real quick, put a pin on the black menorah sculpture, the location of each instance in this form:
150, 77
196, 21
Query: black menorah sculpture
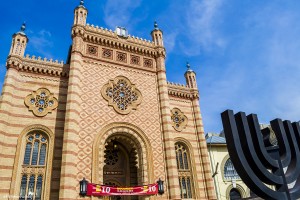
270, 171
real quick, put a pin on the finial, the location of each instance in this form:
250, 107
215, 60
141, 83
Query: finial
155, 25
23, 27
188, 65
81, 2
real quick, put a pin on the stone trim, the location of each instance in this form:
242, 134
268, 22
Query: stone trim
16, 177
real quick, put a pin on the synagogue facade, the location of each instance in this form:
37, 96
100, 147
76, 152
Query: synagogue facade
107, 115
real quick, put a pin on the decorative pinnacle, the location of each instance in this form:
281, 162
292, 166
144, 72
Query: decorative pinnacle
23, 27
155, 25
188, 65
81, 2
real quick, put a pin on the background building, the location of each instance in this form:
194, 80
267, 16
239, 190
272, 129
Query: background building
228, 184
108, 115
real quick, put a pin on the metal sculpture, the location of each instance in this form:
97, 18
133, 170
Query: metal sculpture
270, 171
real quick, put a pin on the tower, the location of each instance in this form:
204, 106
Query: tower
19, 42
190, 77
157, 35
80, 14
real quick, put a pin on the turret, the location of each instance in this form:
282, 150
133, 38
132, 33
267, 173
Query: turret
19, 42
190, 77
80, 14
157, 36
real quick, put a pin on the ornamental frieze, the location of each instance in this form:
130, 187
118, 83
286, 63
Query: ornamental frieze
121, 94
179, 120
41, 102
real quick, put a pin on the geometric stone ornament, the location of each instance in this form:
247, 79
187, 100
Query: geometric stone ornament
179, 120
270, 169
41, 102
122, 95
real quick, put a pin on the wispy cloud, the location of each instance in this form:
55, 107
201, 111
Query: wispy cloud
119, 12
41, 42
201, 29
264, 78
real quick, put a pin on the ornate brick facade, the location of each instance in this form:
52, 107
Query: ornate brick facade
112, 94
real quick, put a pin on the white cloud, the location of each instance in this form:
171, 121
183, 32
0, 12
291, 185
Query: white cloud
202, 31
41, 42
119, 12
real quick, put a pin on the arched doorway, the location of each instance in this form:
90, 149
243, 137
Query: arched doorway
120, 169
235, 194
134, 143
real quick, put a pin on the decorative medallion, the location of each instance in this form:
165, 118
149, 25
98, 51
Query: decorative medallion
121, 94
179, 120
148, 63
107, 53
92, 50
135, 60
41, 102
121, 57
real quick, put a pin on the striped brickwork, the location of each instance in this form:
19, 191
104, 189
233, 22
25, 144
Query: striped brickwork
84, 122
170, 156
15, 117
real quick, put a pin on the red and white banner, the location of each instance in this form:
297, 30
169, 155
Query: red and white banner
102, 190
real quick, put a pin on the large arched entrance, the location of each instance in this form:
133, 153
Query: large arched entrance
122, 156
120, 169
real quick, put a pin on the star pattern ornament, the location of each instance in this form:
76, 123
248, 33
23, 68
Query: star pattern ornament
122, 95
179, 120
41, 102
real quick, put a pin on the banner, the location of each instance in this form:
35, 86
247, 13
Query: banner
102, 190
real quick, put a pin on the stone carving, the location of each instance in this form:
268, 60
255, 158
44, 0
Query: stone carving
121, 57
41, 102
179, 119
107, 53
92, 50
121, 94
135, 60
148, 63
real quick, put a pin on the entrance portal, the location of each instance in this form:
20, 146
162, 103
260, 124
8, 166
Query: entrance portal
120, 167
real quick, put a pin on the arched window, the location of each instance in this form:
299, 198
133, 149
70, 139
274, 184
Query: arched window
184, 171
235, 194
229, 171
34, 166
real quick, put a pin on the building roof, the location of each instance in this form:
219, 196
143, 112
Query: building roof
212, 138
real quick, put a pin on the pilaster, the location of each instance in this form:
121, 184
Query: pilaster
69, 183
169, 148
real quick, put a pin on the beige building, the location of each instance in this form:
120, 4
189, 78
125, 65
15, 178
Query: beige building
227, 182
108, 115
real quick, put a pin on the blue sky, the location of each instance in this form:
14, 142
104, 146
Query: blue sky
246, 53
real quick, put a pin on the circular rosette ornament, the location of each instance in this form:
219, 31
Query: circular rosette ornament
121, 94
179, 119
41, 102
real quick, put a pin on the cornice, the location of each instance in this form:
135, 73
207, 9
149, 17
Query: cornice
182, 91
105, 37
38, 65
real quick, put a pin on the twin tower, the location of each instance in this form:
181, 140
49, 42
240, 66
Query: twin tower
108, 115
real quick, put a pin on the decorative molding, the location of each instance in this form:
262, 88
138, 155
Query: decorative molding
121, 57
107, 53
41, 102
179, 120
135, 60
148, 63
122, 95
108, 38
92, 50
182, 91
38, 65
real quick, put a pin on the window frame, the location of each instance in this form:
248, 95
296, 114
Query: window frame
19, 160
